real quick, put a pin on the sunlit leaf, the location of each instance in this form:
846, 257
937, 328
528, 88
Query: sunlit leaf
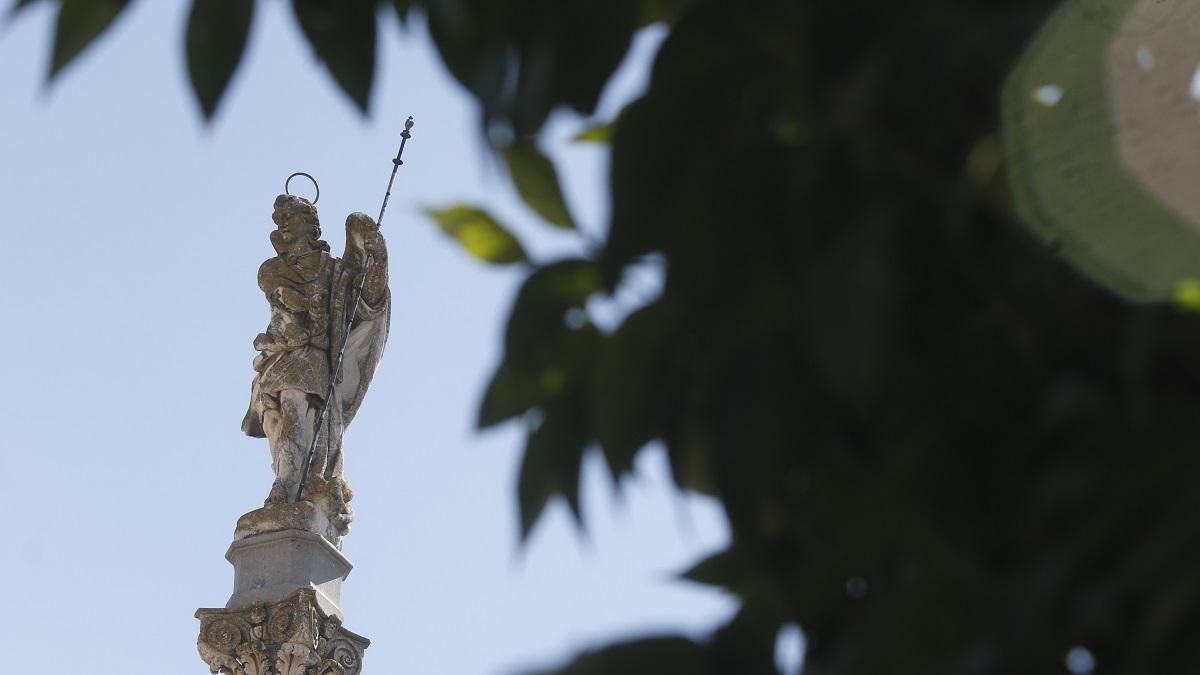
479, 233
1187, 295
597, 133
216, 38
343, 35
538, 184
80, 22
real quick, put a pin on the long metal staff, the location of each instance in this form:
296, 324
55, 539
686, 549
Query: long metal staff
341, 354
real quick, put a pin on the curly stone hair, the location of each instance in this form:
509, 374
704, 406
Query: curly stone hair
305, 211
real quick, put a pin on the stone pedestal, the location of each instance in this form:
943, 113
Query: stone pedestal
284, 616
320, 514
271, 566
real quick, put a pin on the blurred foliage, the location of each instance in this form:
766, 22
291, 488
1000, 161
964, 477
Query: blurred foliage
479, 233
939, 448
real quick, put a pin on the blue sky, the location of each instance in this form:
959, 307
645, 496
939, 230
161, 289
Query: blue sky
133, 235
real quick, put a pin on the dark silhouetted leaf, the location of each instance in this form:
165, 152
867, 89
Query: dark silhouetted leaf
402, 8
538, 184
530, 104
510, 393
748, 641
553, 456
343, 35
522, 61
654, 11
640, 178
79, 23
478, 58
479, 233
726, 569
629, 389
592, 39
216, 38
544, 356
542, 302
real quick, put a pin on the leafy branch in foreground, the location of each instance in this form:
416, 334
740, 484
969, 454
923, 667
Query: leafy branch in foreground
940, 450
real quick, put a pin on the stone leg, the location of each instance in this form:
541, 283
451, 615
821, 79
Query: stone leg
289, 430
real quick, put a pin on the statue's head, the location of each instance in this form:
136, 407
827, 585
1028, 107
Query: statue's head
297, 226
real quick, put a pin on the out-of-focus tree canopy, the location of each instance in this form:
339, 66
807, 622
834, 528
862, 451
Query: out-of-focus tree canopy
940, 449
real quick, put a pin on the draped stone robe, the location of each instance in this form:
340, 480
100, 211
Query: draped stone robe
311, 298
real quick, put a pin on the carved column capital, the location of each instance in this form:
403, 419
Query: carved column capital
291, 637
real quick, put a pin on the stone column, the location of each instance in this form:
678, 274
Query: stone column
328, 325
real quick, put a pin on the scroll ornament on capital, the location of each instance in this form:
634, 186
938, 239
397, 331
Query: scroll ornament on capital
293, 637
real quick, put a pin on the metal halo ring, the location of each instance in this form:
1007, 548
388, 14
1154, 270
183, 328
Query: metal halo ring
314, 182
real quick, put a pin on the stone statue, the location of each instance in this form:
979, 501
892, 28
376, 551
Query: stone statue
312, 296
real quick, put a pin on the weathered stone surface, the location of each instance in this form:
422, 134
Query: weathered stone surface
306, 514
328, 326
303, 397
272, 566
294, 636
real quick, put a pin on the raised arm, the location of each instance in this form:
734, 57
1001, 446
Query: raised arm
363, 239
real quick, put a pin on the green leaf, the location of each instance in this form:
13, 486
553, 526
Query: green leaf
593, 38
551, 362
630, 387
474, 48
1187, 295
343, 35
80, 22
726, 569
553, 456
653, 11
479, 233
402, 8
544, 355
510, 393
644, 187
542, 303
749, 639
597, 133
216, 39
538, 184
